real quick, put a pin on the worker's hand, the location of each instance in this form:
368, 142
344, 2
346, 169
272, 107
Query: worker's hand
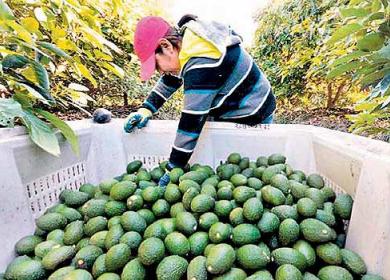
164, 180
137, 119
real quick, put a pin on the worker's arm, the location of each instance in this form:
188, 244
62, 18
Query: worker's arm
198, 97
161, 92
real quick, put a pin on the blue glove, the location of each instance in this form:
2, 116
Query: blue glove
164, 180
137, 119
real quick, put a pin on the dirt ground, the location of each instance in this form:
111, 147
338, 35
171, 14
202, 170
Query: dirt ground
331, 118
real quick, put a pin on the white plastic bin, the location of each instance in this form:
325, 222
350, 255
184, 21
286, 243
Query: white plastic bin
31, 179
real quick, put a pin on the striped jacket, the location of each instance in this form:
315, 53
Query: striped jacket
231, 88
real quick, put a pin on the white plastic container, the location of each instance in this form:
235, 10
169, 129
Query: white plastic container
31, 179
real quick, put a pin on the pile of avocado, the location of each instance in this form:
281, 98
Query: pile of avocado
254, 220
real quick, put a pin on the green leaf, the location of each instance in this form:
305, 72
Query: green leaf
53, 48
365, 106
78, 87
371, 42
384, 28
376, 5
3, 50
383, 53
343, 32
40, 14
14, 61
41, 134
21, 31
5, 11
377, 109
376, 16
80, 98
342, 69
385, 103
44, 60
355, 2
34, 93
114, 69
18, 61
93, 37
9, 110
33, 47
74, 3
23, 99
29, 74
66, 44
112, 46
373, 77
83, 71
43, 79
381, 88
368, 69
65, 129
354, 12
117, 7
347, 58
101, 55
30, 24
99, 39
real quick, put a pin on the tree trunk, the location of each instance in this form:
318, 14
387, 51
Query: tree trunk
329, 93
125, 99
338, 93
331, 101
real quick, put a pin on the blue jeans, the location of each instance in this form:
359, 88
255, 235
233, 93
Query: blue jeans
268, 120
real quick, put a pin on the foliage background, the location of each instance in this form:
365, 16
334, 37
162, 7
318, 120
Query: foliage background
316, 59
328, 62
62, 56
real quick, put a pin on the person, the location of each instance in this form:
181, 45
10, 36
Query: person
220, 79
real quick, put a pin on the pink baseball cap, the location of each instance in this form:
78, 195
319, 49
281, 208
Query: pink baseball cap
148, 32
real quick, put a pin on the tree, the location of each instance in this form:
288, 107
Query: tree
56, 53
364, 27
290, 47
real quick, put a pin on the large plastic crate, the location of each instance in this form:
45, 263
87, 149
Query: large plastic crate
31, 179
